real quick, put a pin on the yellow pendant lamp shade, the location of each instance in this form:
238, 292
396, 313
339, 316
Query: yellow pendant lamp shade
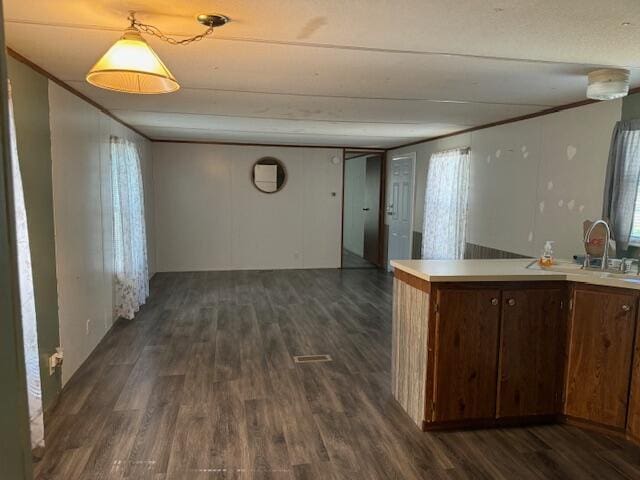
131, 66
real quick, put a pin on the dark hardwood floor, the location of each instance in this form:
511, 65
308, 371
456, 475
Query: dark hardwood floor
352, 260
202, 385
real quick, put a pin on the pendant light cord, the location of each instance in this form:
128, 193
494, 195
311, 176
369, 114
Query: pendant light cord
155, 31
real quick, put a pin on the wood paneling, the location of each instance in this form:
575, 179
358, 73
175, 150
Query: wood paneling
409, 279
532, 345
633, 413
602, 328
409, 348
466, 353
473, 251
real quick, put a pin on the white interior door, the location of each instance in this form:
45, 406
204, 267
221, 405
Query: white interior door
400, 207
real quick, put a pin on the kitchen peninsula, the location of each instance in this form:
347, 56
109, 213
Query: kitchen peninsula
493, 342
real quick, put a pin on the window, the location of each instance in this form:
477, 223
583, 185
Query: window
445, 205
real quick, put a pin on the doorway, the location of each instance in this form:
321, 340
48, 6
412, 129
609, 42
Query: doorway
400, 207
362, 215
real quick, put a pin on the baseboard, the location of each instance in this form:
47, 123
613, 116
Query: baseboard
470, 424
466, 424
527, 420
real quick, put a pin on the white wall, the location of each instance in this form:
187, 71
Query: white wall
355, 186
83, 224
209, 216
531, 181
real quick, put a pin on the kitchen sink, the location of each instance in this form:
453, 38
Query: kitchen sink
576, 269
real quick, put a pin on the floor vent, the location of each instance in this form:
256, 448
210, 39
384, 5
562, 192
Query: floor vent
312, 358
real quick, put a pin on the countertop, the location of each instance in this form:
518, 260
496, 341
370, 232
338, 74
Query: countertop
510, 271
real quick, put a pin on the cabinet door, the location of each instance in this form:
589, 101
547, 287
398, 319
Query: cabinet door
466, 354
602, 327
633, 414
532, 340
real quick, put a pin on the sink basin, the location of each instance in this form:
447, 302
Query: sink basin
574, 268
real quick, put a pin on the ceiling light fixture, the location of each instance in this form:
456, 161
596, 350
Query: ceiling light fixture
131, 65
608, 84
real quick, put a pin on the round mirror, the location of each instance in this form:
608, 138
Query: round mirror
269, 175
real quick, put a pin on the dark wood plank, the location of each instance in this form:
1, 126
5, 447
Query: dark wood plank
337, 435
303, 438
136, 391
268, 454
228, 450
109, 457
152, 444
228, 338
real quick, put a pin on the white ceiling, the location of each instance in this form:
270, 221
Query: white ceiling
360, 73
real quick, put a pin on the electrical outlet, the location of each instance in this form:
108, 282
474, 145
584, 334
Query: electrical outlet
55, 360
88, 325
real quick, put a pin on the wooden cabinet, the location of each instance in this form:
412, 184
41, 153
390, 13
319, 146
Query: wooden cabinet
633, 411
466, 354
601, 339
532, 344
480, 354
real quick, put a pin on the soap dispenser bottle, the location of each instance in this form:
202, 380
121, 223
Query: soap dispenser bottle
546, 259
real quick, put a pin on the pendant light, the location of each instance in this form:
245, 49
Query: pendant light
131, 65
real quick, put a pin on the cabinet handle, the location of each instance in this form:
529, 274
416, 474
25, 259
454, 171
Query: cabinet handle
511, 302
494, 301
626, 308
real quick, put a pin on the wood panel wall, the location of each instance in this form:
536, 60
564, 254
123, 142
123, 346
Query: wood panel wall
409, 347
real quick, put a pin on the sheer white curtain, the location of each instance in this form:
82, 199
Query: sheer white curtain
27, 301
445, 205
129, 233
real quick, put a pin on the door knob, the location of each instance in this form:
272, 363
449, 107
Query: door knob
494, 301
626, 308
511, 302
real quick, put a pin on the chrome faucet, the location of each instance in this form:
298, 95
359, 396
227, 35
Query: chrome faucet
605, 254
